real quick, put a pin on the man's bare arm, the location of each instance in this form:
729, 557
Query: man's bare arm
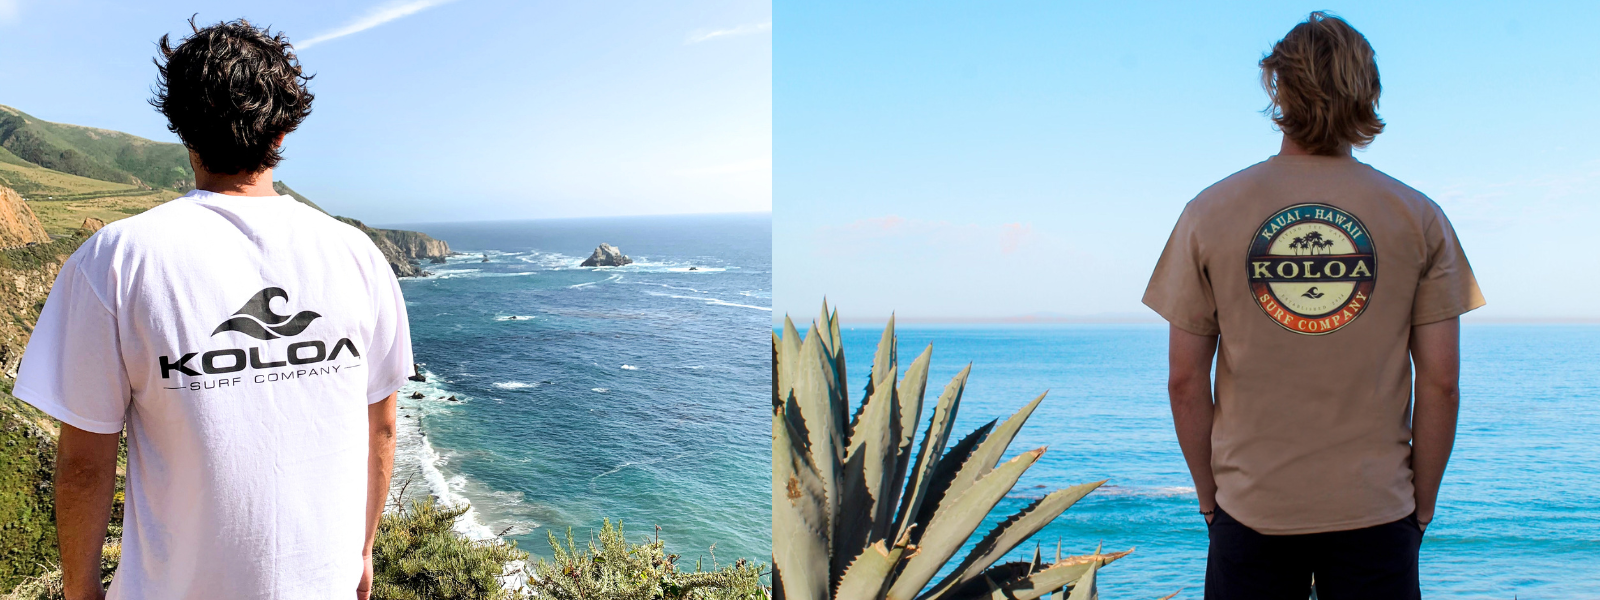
380, 465
1189, 388
1436, 353
86, 476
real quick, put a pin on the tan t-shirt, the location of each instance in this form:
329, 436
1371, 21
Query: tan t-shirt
1313, 270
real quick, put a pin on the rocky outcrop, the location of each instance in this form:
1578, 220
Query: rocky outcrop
18, 225
26, 275
416, 245
92, 224
405, 249
399, 260
607, 255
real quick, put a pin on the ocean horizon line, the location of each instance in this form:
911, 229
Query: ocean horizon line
400, 225
880, 320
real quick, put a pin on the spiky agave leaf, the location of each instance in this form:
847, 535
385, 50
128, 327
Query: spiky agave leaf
837, 405
869, 573
908, 392
786, 353
975, 463
1016, 583
777, 385
885, 359
1085, 589
828, 328
816, 392
1010, 533
943, 474
988, 453
955, 521
865, 479
922, 472
800, 515
838, 361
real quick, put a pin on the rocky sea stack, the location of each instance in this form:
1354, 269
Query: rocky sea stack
607, 255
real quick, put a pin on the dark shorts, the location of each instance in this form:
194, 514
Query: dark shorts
1373, 563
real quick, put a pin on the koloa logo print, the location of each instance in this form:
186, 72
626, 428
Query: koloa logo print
214, 368
1312, 268
257, 320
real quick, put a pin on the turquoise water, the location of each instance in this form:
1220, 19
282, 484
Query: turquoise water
636, 393
1519, 514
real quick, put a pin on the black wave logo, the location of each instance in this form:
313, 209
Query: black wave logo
257, 320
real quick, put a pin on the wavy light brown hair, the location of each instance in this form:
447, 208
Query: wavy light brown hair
1322, 80
229, 91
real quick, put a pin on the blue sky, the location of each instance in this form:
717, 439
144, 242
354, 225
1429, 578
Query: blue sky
431, 110
995, 160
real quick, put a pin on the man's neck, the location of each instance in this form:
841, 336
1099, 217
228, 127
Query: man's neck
258, 183
1289, 148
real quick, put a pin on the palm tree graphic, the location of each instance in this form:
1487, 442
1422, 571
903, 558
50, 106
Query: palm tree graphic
1313, 241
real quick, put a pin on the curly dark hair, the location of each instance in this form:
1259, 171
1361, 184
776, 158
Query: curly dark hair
229, 91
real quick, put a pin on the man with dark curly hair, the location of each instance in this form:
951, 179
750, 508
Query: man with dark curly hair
1323, 283
250, 344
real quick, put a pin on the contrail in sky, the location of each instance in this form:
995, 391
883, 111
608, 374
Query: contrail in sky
377, 16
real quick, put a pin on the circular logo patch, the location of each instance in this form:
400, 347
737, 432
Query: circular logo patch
1312, 268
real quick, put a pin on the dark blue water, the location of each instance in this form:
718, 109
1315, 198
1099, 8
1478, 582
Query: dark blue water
1519, 514
637, 393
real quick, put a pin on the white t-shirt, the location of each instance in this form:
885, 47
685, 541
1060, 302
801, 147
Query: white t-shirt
241, 339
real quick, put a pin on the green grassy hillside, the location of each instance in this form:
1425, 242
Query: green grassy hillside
283, 188
94, 153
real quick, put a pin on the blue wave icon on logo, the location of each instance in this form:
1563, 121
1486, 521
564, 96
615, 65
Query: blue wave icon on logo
257, 320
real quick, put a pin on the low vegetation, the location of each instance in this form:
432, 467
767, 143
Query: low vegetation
27, 502
37, 255
417, 555
613, 569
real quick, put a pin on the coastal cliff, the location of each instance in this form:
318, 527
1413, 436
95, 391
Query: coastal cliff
417, 245
406, 255
405, 250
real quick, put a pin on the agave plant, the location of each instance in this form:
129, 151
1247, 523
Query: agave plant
860, 512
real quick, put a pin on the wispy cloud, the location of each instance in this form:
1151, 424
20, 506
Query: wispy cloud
378, 15
746, 29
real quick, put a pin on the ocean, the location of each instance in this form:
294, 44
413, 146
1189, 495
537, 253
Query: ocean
558, 396
1519, 513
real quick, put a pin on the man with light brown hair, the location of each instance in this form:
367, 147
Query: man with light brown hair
1316, 282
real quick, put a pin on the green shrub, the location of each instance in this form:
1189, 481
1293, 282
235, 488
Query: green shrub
35, 255
27, 496
418, 556
613, 569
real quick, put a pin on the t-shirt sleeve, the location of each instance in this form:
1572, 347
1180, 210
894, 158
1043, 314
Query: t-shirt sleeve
390, 351
73, 369
1446, 288
1180, 287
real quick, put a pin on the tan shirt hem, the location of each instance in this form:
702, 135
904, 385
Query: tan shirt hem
1326, 527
